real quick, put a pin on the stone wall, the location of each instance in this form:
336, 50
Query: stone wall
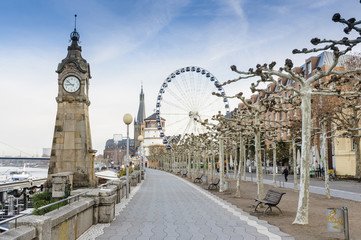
69, 222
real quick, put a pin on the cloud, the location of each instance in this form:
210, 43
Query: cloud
236, 5
129, 42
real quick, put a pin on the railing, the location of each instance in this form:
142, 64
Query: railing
41, 208
21, 184
60, 201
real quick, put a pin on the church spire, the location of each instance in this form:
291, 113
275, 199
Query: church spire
141, 109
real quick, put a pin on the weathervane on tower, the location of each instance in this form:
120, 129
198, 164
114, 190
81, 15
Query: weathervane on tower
74, 36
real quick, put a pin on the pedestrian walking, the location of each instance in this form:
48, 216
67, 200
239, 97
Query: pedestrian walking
285, 172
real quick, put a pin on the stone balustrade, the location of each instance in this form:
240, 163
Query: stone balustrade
96, 205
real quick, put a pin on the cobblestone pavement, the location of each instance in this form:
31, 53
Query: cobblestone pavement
168, 207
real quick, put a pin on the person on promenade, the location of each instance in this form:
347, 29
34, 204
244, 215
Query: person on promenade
285, 172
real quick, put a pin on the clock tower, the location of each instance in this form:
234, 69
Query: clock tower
72, 146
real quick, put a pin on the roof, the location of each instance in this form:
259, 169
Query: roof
110, 144
326, 58
153, 117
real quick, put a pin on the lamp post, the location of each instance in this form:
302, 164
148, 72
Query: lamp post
127, 119
140, 139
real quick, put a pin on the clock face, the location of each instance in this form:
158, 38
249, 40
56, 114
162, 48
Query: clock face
71, 84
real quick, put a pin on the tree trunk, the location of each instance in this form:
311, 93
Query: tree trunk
357, 155
227, 165
198, 162
235, 165
204, 160
303, 199
221, 165
212, 166
257, 140
189, 163
244, 162
294, 160
174, 162
274, 163
324, 158
241, 153
194, 164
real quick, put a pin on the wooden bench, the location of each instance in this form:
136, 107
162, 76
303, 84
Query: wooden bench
214, 184
271, 200
198, 179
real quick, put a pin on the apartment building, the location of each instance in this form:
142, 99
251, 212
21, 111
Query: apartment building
283, 122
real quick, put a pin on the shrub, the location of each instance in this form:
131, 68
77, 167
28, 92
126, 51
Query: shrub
124, 173
42, 199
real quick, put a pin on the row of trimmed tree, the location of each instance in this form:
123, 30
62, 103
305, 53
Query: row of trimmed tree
303, 105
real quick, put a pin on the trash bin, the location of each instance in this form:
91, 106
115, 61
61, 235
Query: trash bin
205, 179
225, 185
335, 220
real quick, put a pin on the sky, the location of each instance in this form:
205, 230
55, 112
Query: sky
133, 42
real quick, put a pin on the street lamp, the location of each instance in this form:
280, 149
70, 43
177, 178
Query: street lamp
140, 139
127, 119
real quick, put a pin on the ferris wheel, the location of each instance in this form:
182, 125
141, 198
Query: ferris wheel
184, 99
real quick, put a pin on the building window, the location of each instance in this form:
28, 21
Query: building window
288, 132
309, 67
275, 116
280, 116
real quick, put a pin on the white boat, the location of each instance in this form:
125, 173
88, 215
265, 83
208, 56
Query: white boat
20, 175
107, 174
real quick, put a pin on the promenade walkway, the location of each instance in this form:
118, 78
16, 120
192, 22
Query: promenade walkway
168, 207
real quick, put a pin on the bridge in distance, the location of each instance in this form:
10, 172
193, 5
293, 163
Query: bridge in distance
19, 161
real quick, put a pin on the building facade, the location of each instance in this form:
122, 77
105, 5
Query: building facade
152, 133
341, 150
115, 151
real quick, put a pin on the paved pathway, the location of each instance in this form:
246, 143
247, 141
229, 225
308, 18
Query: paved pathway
168, 207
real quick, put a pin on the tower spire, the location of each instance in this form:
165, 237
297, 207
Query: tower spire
75, 22
141, 109
74, 36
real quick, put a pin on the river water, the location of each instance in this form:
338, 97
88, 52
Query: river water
34, 172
